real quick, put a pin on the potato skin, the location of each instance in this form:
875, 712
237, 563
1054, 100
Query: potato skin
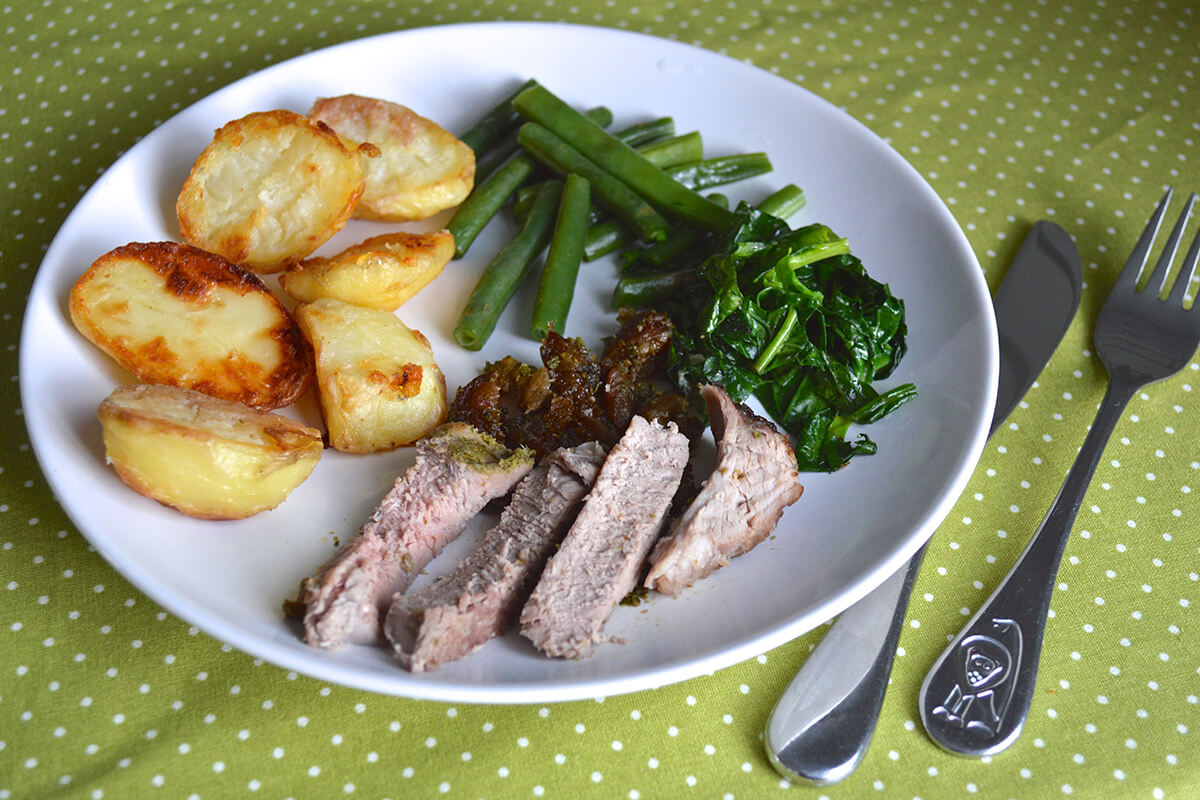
270, 189
377, 383
381, 272
422, 168
203, 456
173, 314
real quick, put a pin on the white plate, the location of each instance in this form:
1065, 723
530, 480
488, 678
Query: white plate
849, 531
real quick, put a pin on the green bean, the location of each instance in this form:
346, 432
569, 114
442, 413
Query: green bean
503, 275
562, 262
663, 156
542, 144
485, 200
701, 174
671, 248
492, 127
710, 172
643, 290
681, 149
675, 150
605, 237
681, 238
523, 199
494, 137
783, 203
489, 163
620, 160
490, 194
608, 235
645, 132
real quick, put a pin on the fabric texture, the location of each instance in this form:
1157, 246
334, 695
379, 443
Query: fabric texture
1013, 112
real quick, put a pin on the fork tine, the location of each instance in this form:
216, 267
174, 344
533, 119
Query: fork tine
1128, 279
1187, 269
1158, 278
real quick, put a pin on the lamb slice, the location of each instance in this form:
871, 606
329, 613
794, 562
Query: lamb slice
738, 505
457, 471
602, 554
459, 612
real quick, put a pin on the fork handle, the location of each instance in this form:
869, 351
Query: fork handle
977, 695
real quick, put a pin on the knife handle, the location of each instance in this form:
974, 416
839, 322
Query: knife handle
822, 725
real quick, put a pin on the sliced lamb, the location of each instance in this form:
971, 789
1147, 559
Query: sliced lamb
459, 612
738, 506
602, 555
458, 470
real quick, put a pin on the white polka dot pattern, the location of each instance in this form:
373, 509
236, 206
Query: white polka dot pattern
1013, 111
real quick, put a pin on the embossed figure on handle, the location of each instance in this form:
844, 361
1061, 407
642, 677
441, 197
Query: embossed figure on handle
975, 699
986, 668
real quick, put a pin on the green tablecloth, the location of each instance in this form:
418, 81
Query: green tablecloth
1013, 111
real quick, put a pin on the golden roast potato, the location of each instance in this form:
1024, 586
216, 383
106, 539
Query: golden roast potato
377, 383
204, 456
422, 168
381, 272
270, 189
173, 314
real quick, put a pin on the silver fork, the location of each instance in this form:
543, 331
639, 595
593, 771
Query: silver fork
975, 699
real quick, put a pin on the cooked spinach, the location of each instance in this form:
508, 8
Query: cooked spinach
792, 318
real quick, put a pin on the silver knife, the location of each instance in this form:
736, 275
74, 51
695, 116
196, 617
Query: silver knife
822, 725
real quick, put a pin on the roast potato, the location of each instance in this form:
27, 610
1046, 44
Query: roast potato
377, 383
381, 272
207, 457
422, 168
270, 189
173, 314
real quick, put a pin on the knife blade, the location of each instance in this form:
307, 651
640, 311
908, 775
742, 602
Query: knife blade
1034, 305
822, 725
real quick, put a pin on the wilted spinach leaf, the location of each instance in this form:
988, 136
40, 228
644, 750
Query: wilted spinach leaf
792, 318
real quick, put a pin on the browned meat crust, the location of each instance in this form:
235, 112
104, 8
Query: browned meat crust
631, 363
574, 398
